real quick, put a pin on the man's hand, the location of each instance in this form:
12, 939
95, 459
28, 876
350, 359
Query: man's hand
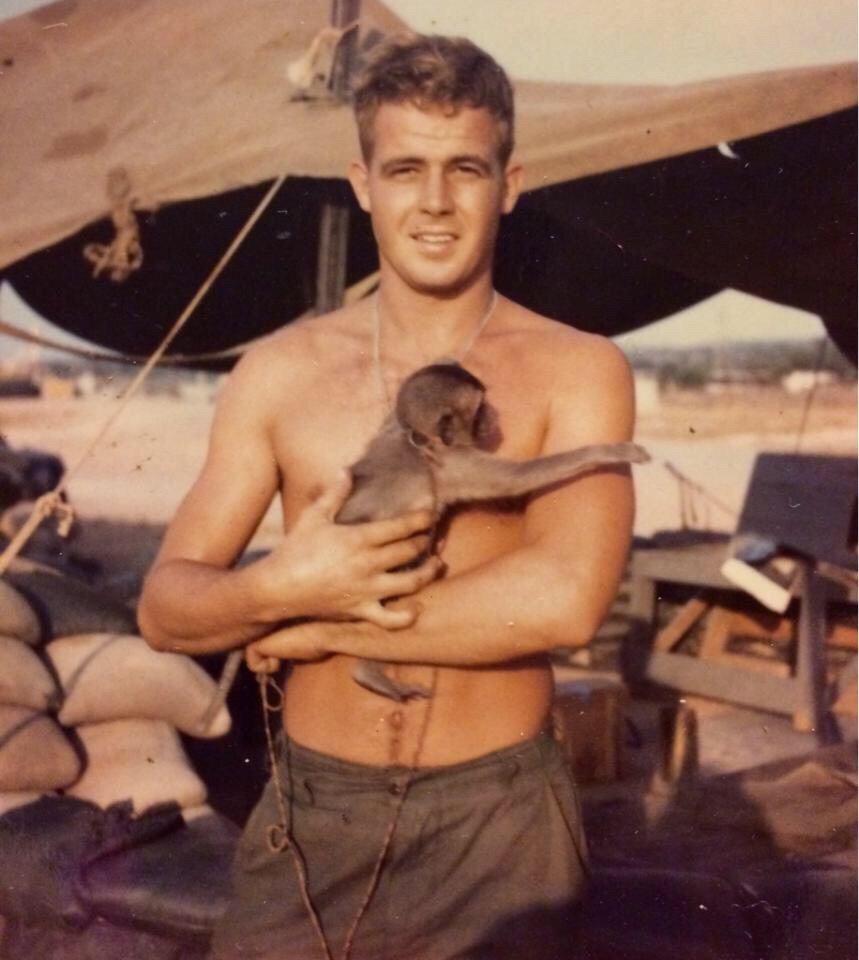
333, 571
300, 642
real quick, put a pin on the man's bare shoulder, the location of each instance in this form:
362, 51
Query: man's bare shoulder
306, 342
291, 365
300, 352
562, 350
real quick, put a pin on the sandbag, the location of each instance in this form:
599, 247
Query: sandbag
68, 606
24, 679
17, 617
45, 846
42, 846
112, 677
178, 884
190, 814
35, 753
137, 760
97, 941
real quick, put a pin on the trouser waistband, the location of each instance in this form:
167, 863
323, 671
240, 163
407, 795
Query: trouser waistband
497, 766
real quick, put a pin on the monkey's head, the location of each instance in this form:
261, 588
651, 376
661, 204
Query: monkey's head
440, 402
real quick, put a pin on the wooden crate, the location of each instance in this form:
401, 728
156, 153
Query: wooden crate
588, 721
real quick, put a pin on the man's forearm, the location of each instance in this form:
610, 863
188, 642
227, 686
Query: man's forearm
520, 604
196, 608
517, 606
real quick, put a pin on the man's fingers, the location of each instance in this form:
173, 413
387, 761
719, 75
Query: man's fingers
388, 619
401, 552
409, 581
260, 662
380, 532
335, 496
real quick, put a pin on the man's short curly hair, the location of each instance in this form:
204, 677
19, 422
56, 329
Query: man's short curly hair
433, 71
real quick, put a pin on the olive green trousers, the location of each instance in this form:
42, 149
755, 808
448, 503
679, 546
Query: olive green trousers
487, 860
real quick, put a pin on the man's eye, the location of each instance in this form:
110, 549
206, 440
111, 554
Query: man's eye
402, 173
469, 170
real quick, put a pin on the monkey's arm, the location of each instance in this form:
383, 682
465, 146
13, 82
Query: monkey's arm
466, 473
555, 588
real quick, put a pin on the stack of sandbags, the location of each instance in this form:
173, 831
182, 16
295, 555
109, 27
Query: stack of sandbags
86, 706
36, 756
126, 703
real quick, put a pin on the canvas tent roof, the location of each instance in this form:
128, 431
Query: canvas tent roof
192, 99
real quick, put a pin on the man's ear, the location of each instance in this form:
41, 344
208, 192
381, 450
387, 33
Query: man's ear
359, 178
514, 178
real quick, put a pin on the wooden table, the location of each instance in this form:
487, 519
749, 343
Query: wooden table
802, 693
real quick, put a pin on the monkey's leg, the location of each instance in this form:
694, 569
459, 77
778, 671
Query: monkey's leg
371, 675
468, 474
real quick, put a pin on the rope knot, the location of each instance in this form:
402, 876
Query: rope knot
54, 502
124, 254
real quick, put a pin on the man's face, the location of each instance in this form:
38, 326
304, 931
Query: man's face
435, 190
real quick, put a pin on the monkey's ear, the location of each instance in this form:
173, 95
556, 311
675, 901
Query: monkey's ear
418, 439
445, 428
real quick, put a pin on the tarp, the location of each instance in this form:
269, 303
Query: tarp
192, 99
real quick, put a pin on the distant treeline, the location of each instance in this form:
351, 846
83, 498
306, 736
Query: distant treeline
763, 362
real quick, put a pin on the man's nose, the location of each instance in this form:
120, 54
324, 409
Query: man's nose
435, 193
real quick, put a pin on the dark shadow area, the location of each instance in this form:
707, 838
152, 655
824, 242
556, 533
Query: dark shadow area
234, 767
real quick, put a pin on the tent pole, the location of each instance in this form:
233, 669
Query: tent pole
334, 217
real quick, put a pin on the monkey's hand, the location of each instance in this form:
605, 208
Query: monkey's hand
331, 571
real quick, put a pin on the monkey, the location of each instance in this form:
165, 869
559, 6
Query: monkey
425, 457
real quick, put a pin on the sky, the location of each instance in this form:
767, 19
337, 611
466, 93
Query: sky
645, 41
631, 42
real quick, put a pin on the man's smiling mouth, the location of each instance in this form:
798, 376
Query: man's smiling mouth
434, 238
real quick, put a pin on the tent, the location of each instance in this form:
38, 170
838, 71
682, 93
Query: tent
632, 211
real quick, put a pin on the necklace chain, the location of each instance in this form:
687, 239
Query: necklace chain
457, 358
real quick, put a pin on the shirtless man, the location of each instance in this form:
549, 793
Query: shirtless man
487, 854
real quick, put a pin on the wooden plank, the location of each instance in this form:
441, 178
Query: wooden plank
810, 666
717, 633
723, 682
761, 623
698, 565
685, 618
778, 668
842, 636
678, 725
846, 702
